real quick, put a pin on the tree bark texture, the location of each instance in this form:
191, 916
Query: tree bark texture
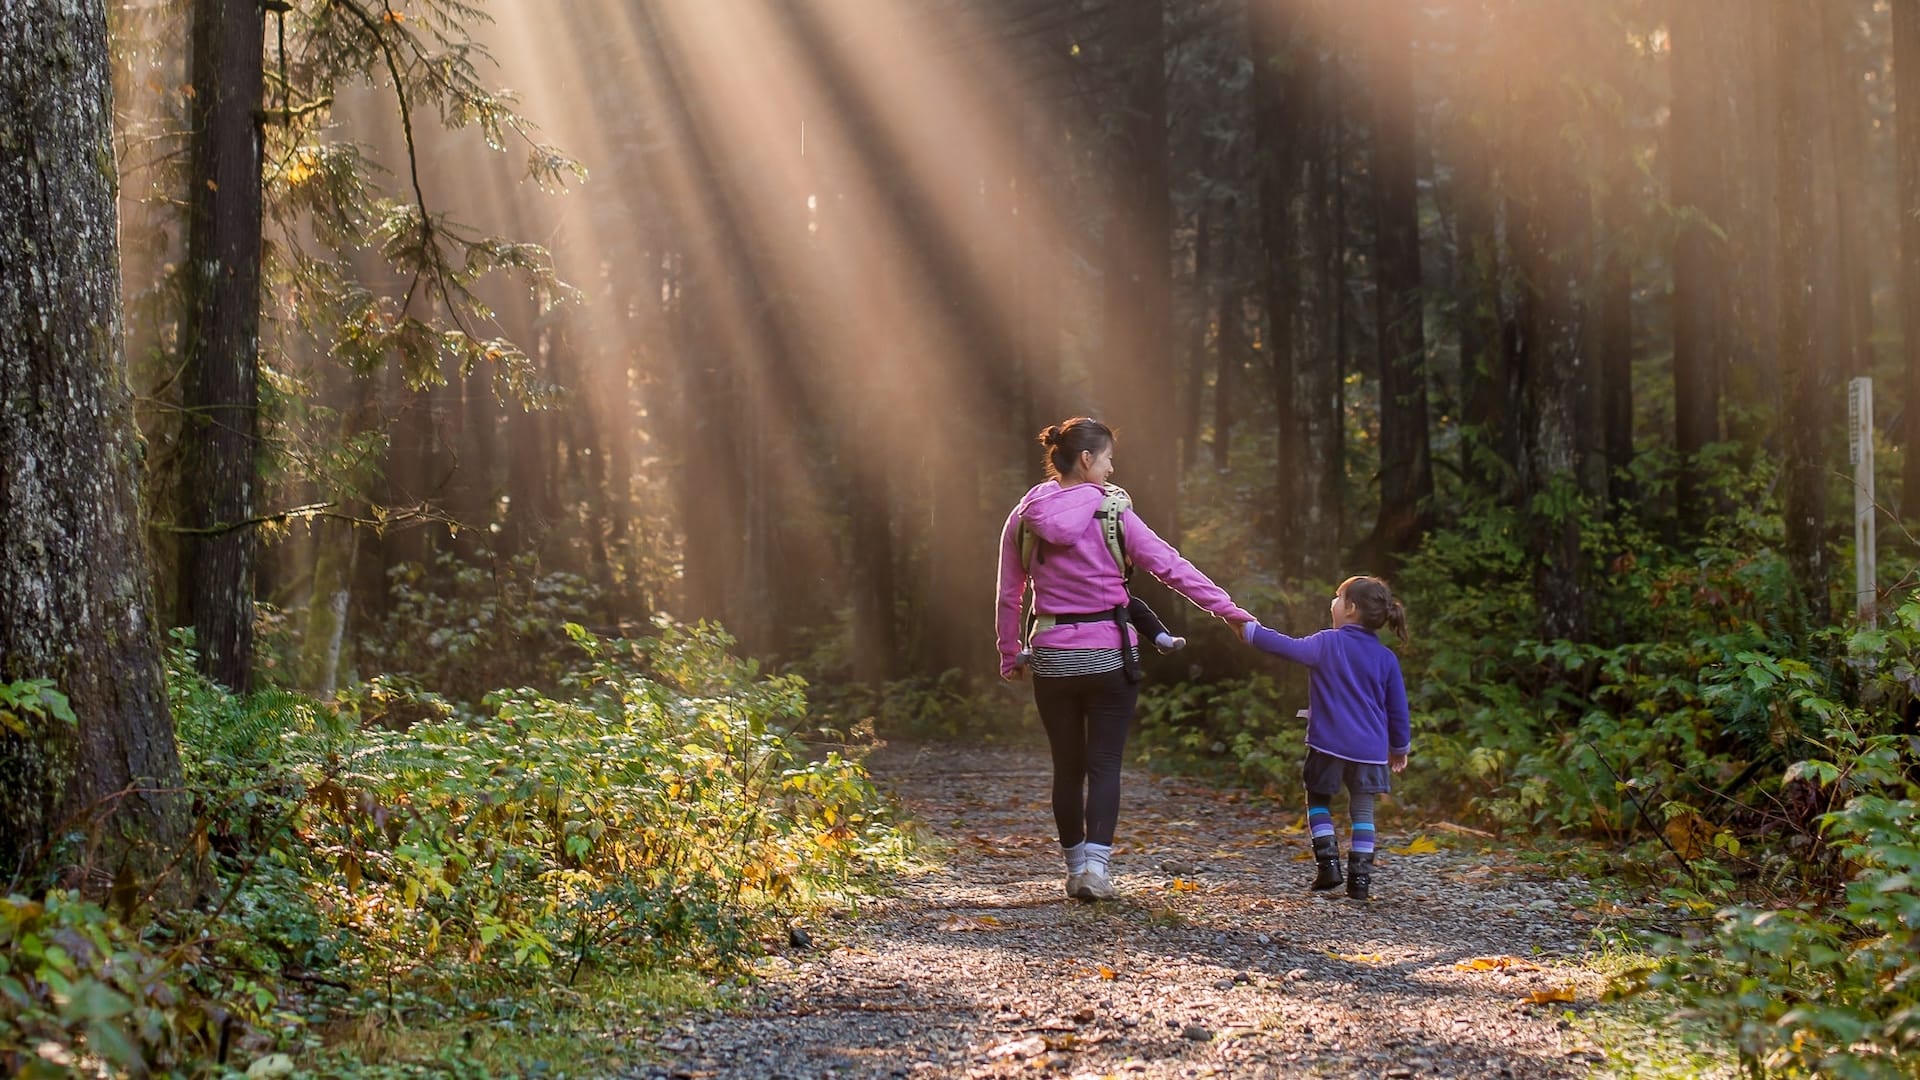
222, 332
1406, 467
72, 569
1800, 422
1906, 70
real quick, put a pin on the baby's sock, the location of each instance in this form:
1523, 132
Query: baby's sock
1361, 805
1168, 643
1099, 856
1076, 857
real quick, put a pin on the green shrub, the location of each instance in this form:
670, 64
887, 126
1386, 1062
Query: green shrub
402, 854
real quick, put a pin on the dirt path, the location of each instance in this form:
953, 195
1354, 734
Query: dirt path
1215, 962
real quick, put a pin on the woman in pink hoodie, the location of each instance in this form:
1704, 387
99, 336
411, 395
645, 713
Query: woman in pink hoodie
1085, 679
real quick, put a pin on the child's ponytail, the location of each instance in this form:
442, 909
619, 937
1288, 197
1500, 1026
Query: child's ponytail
1397, 619
1371, 597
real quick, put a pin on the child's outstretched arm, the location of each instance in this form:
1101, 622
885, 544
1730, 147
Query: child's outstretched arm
1304, 650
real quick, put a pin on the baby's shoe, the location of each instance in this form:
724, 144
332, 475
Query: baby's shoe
1167, 643
1022, 658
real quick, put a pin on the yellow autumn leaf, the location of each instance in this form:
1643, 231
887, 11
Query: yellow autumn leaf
1419, 845
1108, 973
1690, 834
1181, 885
1543, 997
1495, 963
961, 924
1360, 958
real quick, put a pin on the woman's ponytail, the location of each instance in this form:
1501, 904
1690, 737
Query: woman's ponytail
1064, 442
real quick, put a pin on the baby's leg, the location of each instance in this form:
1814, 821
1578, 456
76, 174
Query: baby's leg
1150, 626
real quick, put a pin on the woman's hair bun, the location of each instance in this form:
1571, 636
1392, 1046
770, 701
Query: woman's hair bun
1051, 436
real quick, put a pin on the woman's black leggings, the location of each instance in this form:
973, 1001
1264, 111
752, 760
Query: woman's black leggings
1086, 717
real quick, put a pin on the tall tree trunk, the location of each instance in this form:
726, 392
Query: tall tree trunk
1802, 415
1702, 312
1551, 222
78, 607
1406, 467
1844, 151
1613, 320
1906, 69
1282, 114
1137, 317
222, 332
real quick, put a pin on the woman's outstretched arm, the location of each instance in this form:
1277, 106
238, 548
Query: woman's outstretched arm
1157, 557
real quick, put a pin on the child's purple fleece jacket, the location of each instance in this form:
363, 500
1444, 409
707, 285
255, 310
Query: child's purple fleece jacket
1356, 699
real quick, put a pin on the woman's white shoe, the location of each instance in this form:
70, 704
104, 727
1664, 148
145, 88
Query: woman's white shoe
1095, 885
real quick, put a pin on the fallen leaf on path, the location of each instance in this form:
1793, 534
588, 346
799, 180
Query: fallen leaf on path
1032, 1046
1419, 845
1108, 973
1543, 997
1181, 885
960, 924
1448, 826
1496, 963
1360, 958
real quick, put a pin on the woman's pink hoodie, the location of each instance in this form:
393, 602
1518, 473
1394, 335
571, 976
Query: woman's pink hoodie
1073, 572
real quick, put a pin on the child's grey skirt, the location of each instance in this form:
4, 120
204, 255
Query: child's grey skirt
1326, 774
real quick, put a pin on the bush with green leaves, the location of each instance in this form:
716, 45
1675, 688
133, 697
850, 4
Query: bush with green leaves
1829, 986
652, 812
460, 629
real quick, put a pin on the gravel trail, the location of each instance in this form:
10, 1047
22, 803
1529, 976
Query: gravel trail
1214, 962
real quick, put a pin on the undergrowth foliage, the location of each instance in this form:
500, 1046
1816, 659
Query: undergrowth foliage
655, 811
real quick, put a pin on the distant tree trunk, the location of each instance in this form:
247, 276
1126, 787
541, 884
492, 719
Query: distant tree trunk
1844, 153
336, 554
221, 334
1406, 469
1803, 414
529, 448
1200, 307
1306, 506
1321, 375
1701, 309
1137, 314
1232, 353
1551, 222
1613, 322
1483, 374
1906, 69
78, 603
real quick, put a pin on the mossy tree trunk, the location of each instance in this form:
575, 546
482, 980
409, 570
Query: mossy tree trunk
78, 606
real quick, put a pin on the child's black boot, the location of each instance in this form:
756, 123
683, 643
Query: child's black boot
1360, 875
1326, 856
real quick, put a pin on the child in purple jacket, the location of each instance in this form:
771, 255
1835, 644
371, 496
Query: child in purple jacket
1358, 729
